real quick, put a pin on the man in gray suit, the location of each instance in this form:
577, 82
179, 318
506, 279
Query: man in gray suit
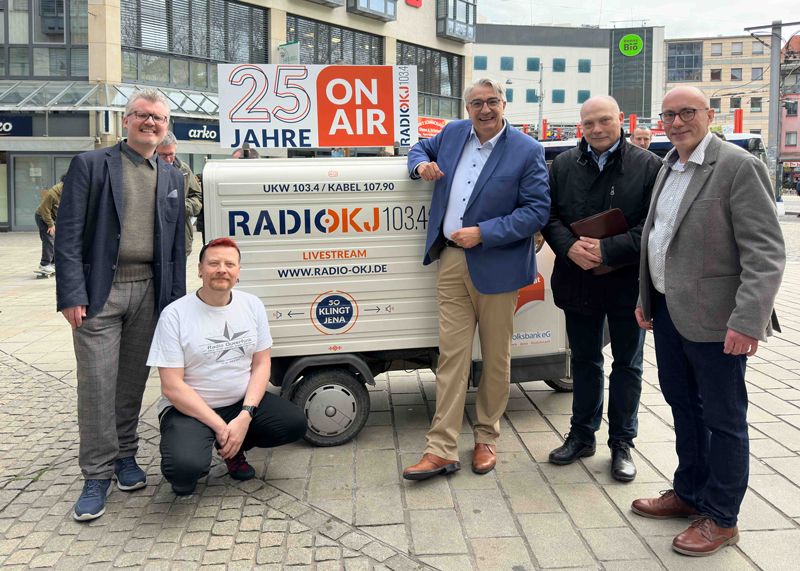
711, 265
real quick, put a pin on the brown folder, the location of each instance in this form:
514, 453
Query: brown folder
607, 223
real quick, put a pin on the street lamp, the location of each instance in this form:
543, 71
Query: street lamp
542, 136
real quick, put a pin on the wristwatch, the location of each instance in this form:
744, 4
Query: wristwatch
250, 409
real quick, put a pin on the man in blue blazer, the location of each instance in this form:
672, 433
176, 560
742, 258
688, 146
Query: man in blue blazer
491, 197
120, 260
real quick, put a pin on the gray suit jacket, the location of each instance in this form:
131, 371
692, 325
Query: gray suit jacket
725, 262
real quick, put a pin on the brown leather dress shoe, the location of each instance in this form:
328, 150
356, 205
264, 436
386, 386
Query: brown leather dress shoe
431, 465
704, 537
483, 458
668, 505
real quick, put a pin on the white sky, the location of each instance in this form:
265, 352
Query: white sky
681, 18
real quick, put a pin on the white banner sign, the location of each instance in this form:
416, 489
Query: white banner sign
304, 106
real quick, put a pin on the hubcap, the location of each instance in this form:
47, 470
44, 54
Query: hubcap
330, 410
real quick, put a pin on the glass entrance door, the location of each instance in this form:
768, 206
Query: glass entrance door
31, 176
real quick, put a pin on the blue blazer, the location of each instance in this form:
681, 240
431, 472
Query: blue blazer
509, 203
87, 240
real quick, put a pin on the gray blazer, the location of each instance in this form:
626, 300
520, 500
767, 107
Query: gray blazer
725, 262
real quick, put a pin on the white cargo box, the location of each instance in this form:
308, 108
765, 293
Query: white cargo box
334, 249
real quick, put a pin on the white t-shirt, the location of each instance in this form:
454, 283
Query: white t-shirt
214, 345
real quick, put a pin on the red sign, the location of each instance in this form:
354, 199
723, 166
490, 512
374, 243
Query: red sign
430, 126
414, 3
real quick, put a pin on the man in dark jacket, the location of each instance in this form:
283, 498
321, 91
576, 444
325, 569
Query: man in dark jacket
119, 253
605, 171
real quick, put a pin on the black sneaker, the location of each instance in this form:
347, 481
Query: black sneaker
570, 451
239, 469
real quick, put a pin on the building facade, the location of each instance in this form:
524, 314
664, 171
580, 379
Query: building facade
66, 70
790, 117
549, 71
732, 71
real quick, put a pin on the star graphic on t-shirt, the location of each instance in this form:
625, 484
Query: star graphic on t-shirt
226, 337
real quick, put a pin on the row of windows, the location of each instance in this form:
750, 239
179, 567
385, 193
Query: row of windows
481, 63
685, 61
756, 104
556, 95
756, 74
737, 48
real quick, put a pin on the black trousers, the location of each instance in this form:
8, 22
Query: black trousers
47, 241
186, 443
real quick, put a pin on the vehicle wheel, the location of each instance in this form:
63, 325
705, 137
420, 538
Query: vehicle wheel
560, 385
336, 405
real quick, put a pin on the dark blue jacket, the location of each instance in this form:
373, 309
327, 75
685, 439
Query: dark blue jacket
88, 236
509, 203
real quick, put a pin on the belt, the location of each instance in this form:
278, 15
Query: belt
451, 244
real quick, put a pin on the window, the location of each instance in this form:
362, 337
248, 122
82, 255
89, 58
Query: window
716, 74
479, 63
757, 73
736, 102
456, 19
533, 64
755, 104
791, 139
510, 95
558, 96
736, 74
559, 64
439, 79
755, 131
384, 10
507, 63
791, 108
583, 95
758, 48
736, 48
531, 96
321, 42
716, 104
584, 66
716, 49
685, 61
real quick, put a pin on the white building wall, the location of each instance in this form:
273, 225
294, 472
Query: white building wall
659, 71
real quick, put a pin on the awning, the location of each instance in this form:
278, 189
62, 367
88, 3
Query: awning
32, 96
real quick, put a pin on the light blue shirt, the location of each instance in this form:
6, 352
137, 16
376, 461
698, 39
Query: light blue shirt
603, 158
470, 165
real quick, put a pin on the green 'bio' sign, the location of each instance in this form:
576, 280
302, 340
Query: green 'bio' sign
630, 45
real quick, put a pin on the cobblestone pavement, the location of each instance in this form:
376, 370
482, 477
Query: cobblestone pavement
347, 507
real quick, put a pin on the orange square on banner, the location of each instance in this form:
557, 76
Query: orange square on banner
355, 106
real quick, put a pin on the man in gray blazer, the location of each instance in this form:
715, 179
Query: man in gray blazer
711, 265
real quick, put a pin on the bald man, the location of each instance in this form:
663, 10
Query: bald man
711, 265
642, 136
604, 171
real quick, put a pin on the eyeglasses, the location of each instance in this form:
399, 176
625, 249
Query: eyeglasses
142, 116
477, 104
685, 115
166, 156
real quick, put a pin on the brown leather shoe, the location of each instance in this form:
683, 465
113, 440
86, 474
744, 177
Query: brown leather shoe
483, 458
704, 537
668, 505
431, 465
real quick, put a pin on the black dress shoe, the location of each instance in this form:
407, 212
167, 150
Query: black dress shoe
622, 466
570, 451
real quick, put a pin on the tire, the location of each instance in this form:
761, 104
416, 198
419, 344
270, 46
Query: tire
336, 405
560, 385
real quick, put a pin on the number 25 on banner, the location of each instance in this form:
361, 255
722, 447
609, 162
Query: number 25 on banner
252, 107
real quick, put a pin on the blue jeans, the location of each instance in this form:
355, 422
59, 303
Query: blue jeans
585, 333
705, 389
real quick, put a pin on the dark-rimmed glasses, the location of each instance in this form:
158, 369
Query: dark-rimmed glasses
142, 116
685, 115
477, 104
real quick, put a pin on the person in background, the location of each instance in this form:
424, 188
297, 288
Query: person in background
194, 195
642, 137
45, 218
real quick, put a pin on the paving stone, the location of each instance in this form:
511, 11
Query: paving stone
331, 483
448, 562
485, 513
299, 556
435, 532
376, 468
44, 560
334, 529
554, 541
355, 540
528, 493
727, 559
587, 506
269, 539
614, 544
376, 506
427, 494
393, 535
781, 493
162, 551
377, 551
495, 553
133, 559
327, 553
771, 550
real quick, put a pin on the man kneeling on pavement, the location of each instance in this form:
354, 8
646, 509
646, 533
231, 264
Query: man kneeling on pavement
212, 350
